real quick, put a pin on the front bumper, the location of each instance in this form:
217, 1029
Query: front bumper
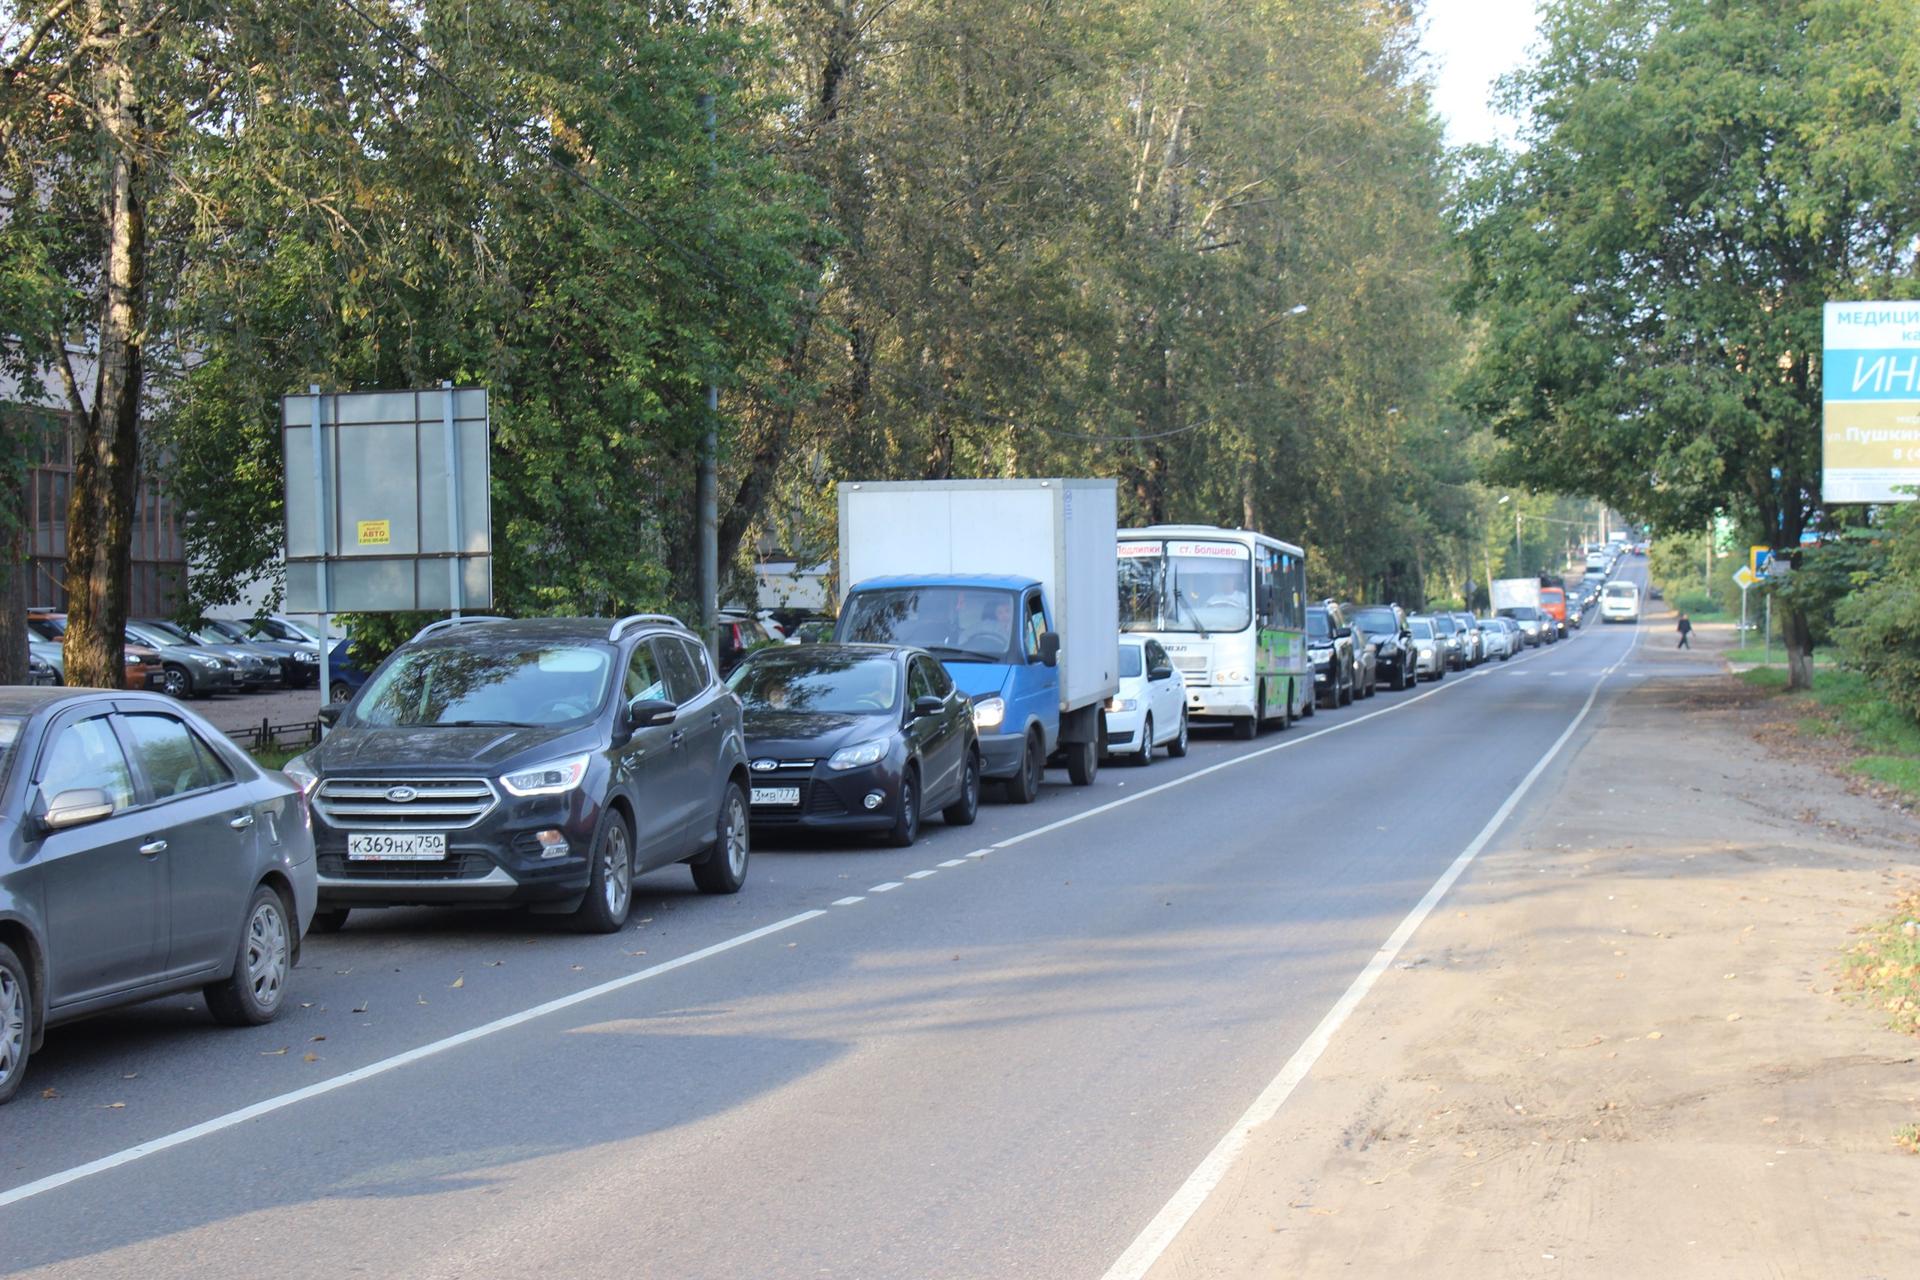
1124, 729
830, 800
1001, 754
1219, 702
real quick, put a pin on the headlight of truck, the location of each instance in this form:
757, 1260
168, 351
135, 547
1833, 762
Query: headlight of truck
860, 755
989, 712
548, 779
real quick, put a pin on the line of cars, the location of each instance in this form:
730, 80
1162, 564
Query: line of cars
1355, 649
216, 656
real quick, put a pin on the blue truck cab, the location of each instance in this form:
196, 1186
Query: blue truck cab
996, 636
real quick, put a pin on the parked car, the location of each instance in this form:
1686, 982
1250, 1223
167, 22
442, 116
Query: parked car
1149, 710
1330, 650
1366, 659
544, 762
1392, 641
141, 853
1447, 628
1431, 658
1620, 602
299, 662
46, 663
188, 669
252, 668
1533, 624
741, 634
857, 737
812, 631
143, 666
345, 675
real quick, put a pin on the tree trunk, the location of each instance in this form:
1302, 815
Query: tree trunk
1798, 635
107, 454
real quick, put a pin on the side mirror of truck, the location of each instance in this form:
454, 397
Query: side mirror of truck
1050, 648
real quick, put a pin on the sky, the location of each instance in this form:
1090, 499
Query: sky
1472, 43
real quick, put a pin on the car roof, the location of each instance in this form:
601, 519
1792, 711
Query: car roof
807, 650
994, 581
539, 630
27, 700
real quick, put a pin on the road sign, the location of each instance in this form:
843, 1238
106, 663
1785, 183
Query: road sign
387, 500
1744, 577
1757, 558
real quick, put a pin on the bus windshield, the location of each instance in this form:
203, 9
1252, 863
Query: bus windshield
1189, 585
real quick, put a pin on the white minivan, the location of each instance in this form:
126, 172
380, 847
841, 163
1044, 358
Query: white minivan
1620, 602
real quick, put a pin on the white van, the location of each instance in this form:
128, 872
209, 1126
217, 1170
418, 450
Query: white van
1620, 602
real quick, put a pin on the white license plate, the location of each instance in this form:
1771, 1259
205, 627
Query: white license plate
395, 846
776, 795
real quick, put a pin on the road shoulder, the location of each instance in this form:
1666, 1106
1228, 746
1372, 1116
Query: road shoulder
1615, 1048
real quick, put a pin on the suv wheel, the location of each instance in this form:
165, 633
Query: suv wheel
609, 880
724, 868
16, 1022
251, 995
966, 808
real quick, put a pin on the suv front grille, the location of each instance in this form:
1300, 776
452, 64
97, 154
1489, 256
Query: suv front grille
461, 866
436, 804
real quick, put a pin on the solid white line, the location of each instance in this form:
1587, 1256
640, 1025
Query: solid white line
847, 902
1166, 1226
267, 1106
921, 875
882, 888
954, 862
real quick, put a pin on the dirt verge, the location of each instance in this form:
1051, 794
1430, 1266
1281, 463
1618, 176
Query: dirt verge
1617, 1049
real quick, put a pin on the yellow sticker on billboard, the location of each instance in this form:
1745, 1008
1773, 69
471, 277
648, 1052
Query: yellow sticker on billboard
374, 533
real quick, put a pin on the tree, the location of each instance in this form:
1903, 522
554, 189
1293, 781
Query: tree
1698, 177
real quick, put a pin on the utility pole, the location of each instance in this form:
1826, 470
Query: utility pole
707, 483
1519, 556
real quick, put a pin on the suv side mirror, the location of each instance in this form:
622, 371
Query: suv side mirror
647, 713
77, 808
1050, 648
928, 705
331, 713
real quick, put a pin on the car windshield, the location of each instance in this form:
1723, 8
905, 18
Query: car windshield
1319, 626
1377, 621
492, 685
281, 629
48, 628
969, 624
1422, 629
166, 633
1131, 662
221, 630
1444, 625
1524, 613
823, 682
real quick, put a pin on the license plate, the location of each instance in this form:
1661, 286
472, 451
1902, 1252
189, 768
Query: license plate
395, 846
776, 795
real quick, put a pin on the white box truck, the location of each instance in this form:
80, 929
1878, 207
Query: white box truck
1012, 584
1515, 593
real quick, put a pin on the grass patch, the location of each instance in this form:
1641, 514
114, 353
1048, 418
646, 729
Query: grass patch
1887, 737
1778, 658
1884, 966
1907, 1138
273, 757
1818, 727
1899, 772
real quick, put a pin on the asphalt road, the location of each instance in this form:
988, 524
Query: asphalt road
1003, 1065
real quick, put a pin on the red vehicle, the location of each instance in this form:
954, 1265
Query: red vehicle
1553, 603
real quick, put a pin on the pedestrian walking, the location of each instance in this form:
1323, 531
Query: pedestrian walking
1685, 628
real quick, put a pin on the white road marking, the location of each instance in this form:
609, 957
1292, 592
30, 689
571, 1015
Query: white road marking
953, 862
267, 1106
980, 853
921, 875
1173, 1217
847, 902
883, 888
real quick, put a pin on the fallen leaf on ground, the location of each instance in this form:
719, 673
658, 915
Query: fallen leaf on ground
49, 1094
273, 1053
114, 1106
312, 1057
1654, 1035
458, 983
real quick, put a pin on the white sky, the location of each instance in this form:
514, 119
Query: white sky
1472, 43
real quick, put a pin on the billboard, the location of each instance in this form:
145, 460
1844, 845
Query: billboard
387, 500
1870, 393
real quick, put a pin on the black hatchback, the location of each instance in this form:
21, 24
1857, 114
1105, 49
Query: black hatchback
857, 737
544, 762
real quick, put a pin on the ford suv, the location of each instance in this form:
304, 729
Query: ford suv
544, 763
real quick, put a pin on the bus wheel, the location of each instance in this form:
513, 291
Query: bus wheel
1246, 727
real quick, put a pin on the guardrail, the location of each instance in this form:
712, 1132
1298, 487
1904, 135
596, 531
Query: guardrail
267, 734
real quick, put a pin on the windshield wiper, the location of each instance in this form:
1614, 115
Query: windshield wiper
482, 724
969, 655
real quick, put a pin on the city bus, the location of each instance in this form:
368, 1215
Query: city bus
1229, 607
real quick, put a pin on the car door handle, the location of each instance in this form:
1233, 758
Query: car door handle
679, 736
714, 719
241, 823
153, 848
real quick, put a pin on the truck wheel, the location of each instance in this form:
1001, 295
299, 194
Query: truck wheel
1083, 763
16, 1022
1246, 728
1024, 786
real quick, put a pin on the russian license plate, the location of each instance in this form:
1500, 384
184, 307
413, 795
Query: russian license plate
396, 846
776, 795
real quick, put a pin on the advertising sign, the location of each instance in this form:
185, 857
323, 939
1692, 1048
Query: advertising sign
387, 500
1870, 392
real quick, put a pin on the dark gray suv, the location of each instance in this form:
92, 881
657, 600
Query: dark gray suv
543, 762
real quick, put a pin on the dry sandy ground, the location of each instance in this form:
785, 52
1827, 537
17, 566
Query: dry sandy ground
1614, 1050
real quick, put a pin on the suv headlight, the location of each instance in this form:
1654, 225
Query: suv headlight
989, 712
548, 779
859, 755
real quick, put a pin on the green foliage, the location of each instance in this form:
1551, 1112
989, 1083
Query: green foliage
1877, 626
